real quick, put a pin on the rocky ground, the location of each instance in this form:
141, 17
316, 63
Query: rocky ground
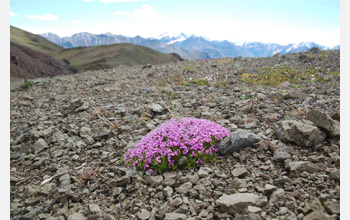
281, 161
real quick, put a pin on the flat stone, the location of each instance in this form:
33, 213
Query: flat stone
175, 216
58, 153
122, 181
144, 214
156, 108
168, 191
317, 215
203, 173
76, 216
40, 145
332, 207
268, 189
282, 154
302, 133
169, 182
335, 174
65, 180
239, 202
298, 167
238, 140
184, 188
175, 202
94, 208
325, 122
155, 180
239, 172
253, 209
169, 175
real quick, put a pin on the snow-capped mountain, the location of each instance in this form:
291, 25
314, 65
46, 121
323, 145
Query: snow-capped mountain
171, 38
188, 47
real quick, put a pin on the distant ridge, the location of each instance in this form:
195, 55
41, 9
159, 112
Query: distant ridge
33, 56
188, 47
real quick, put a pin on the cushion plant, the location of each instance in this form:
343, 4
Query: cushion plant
162, 149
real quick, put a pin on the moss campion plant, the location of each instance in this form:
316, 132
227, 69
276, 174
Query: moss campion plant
163, 148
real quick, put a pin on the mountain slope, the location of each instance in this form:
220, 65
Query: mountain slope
33, 56
108, 56
85, 39
28, 63
33, 41
188, 47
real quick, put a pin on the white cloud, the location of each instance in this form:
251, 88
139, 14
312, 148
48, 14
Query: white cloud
146, 11
76, 21
117, 1
45, 17
13, 14
122, 13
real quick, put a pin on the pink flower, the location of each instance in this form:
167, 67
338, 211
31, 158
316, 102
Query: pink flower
189, 135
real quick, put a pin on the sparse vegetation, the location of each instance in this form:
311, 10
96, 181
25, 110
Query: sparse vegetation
27, 84
273, 76
189, 69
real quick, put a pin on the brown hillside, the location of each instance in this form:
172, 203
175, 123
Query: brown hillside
28, 63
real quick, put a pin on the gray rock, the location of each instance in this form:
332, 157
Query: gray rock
65, 180
58, 153
298, 167
317, 215
281, 154
169, 175
175, 202
168, 191
121, 181
239, 202
169, 182
175, 216
268, 189
302, 133
76, 216
184, 188
144, 214
100, 134
40, 145
156, 108
277, 197
332, 207
155, 180
238, 140
239, 172
335, 174
203, 173
253, 209
75, 103
83, 107
94, 208
325, 122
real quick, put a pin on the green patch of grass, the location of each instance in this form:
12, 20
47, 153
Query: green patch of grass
185, 83
323, 54
244, 97
27, 84
189, 69
335, 73
200, 82
274, 76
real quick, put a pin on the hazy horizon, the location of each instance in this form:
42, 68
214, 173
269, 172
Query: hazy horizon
273, 21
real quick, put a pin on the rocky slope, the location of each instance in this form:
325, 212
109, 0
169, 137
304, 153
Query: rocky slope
28, 63
281, 161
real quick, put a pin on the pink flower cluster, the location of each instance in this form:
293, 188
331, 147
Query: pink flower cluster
188, 137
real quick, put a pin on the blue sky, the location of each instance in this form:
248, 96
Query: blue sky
274, 21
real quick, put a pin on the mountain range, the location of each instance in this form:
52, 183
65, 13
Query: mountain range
33, 56
188, 47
